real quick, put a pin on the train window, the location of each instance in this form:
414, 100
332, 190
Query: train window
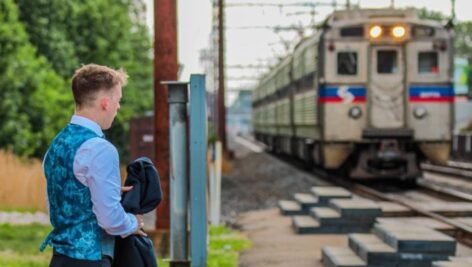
347, 63
428, 62
387, 61
357, 31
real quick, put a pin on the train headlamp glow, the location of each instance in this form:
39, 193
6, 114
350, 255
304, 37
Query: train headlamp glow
355, 112
375, 31
398, 31
420, 112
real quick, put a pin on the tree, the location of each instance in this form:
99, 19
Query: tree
32, 98
425, 13
108, 32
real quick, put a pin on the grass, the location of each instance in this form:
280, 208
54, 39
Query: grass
19, 246
225, 245
20, 210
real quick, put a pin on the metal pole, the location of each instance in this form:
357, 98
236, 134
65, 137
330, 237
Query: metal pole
453, 10
198, 179
178, 173
165, 69
221, 75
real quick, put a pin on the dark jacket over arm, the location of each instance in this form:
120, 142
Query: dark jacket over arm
134, 250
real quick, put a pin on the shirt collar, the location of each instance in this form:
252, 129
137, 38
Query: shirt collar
87, 123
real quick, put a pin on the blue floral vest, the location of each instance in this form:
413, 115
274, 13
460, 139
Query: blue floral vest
75, 233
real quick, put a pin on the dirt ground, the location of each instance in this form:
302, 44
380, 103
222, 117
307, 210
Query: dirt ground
258, 180
276, 245
249, 198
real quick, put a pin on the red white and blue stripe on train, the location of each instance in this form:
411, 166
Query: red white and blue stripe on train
358, 94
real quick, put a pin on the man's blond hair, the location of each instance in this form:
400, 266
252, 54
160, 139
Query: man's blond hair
92, 78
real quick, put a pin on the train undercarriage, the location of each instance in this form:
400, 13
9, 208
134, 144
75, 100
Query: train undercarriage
382, 158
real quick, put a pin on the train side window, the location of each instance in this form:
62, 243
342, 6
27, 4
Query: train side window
387, 61
347, 63
428, 62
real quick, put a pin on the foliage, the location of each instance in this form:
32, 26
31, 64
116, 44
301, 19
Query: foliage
211, 133
225, 244
19, 246
108, 32
32, 97
462, 36
463, 39
425, 13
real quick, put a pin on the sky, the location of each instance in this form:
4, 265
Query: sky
263, 46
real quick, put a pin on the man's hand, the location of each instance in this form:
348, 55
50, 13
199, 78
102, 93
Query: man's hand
126, 188
140, 220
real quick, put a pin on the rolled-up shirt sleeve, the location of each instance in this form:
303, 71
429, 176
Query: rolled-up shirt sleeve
96, 165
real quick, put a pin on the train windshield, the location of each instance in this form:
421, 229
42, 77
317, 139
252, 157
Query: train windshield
347, 63
387, 61
428, 62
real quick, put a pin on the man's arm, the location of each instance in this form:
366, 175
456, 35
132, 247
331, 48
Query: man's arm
97, 166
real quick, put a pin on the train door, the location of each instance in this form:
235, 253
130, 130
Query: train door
386, 87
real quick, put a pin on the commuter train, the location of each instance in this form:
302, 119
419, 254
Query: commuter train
370, 93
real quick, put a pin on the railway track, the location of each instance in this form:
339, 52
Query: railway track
462, 232
454, 180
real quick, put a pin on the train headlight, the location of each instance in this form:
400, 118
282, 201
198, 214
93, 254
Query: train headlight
355, 112
398, 31
375, 31
420, 112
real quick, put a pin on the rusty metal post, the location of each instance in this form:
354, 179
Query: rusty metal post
179, 176
165, 69
221, 75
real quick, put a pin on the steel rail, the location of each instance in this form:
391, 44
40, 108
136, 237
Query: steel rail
444, 190
463, 231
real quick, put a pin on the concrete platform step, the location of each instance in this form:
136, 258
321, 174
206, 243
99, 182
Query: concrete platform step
461, 259
305, 224
392, 209
376, 252
415, 239
325, 193
372, 249
341, 257
290, 208
326, 216
306, 201
331, 217
418, 221
454, 262
451, 264
356, 208
308, 225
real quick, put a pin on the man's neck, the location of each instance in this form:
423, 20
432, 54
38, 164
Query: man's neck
89, 114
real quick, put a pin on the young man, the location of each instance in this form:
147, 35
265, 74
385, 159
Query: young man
83, 176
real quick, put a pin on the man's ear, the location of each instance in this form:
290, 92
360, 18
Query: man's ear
104, 103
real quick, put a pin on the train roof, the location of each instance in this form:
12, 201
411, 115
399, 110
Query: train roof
361, 16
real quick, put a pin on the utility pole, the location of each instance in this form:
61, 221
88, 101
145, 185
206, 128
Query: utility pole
453, 10
221, 76
165, 69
